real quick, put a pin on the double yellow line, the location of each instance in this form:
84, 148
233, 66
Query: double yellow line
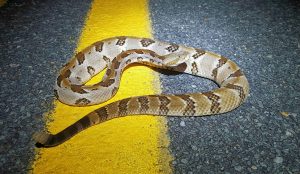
125, 145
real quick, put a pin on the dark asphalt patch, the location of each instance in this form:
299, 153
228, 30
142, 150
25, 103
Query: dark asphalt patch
263, 38
37, 37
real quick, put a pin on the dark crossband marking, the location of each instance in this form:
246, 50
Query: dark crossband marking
80, 58
108, 72
123, 55
146, 42
102, 113
121, 41
82, 102
63, 76
107, 83
239, 89
190, 105
199, 53
236, 74
91, 70
215, 105
122, 106
139, 51
194, 68
99, 46
172, 48
221, 62
181, 67
78, 89
144, 104
115, 63
163, 108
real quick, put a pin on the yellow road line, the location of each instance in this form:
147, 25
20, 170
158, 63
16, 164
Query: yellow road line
125, 145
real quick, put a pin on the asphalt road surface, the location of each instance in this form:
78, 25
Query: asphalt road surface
261, 136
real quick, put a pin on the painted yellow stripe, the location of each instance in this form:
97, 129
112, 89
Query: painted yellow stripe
125, 145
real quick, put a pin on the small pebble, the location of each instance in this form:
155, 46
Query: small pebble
182, 123
253, 167
288, 133
13, 65
194, 147
184, 161
238, 168
278, 160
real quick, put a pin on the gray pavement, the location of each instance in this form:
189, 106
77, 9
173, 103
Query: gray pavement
37, 37
263, 38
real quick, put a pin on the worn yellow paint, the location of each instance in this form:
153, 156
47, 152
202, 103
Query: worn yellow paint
126, 145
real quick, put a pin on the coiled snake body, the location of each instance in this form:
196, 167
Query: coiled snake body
118, 52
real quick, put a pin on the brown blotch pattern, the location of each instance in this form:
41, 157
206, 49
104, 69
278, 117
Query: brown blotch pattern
64, 75
190, 108
115, 63
194, 68
99, 46
215, 105
236, 74
146, 42
199, 53
239, 89
102, 113
91, 70
124, 54
172, 48
163, 108
123, 104
221, 62
153, 54
121, 41
108, 72
78, 89
144, 104
107, 83
82, 102
181, 67
139, 51
59, 80
80, 57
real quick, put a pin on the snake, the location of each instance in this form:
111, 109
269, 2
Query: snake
114, 55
